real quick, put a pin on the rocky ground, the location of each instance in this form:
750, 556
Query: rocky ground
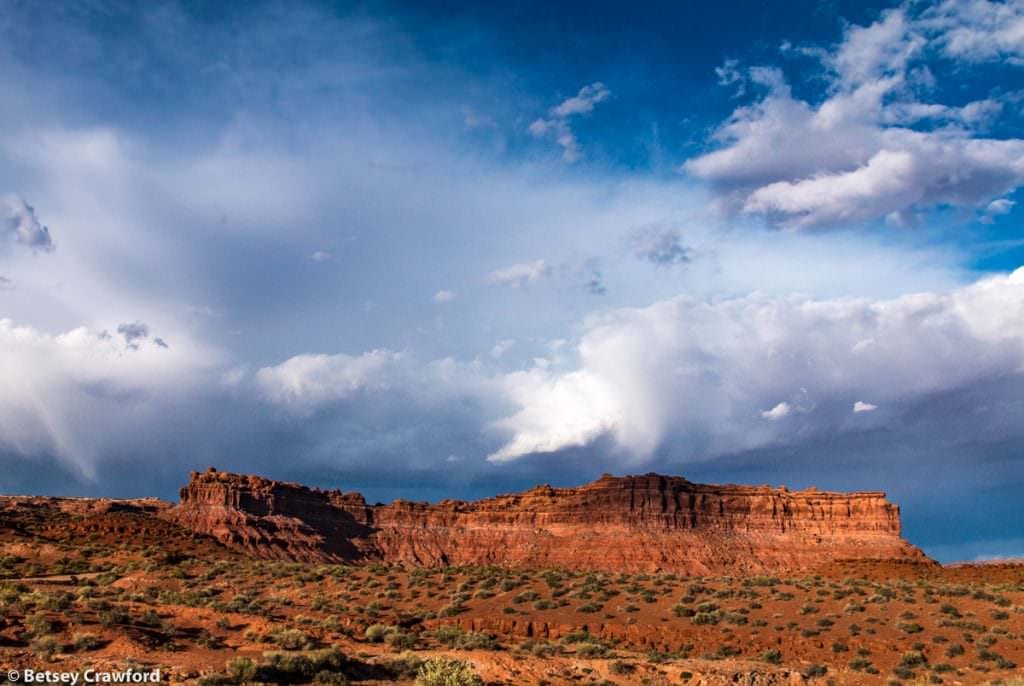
109, 586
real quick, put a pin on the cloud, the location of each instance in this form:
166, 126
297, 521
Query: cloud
780, 411
321, 256
583, 102
978, 30
996, 208
659, 246
690, 377
6, 284
307, 383
557, 125
696, 374
521, 274
861, 406
133, 332
77, 397
502, 347
856, 156
443, 296
24, 226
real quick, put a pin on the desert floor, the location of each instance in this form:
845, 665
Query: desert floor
129, 590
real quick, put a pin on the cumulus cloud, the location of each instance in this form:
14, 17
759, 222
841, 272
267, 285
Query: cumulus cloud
444, 296
557, 124
861, 406
659, 246
306, 383
693, 377
856, 156
698, 374
780, 411
521, 274
24, 227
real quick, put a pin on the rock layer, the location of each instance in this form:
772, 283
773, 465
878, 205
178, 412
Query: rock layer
631, 523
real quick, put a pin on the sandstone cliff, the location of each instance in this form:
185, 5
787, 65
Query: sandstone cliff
631, 523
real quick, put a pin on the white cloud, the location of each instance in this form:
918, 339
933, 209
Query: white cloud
304, 382
978, 30
444, 296
854, 157
321, 256
695, 375
6, 284
557, 124
502, 347
698, 373
861, 406
780, 411
24, 226
583, 102
996, 208
521, 274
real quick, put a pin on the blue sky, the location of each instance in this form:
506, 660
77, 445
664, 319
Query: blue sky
431, 249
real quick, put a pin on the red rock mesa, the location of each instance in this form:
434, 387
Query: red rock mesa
628, 524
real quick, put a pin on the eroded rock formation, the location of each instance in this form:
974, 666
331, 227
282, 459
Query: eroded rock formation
632, 523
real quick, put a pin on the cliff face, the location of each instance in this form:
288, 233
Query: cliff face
632, 523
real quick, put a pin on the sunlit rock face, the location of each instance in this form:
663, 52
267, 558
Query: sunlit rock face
631, 523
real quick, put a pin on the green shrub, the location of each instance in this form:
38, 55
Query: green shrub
912, 658
82, 641
680, 610
703, 618
621, 668
241, 669
401, 640
376, 633
291, 639
813, 671
45, 646
441, 671
859, 663
591, 650
772, 656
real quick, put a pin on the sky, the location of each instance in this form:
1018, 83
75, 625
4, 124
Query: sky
440, 249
